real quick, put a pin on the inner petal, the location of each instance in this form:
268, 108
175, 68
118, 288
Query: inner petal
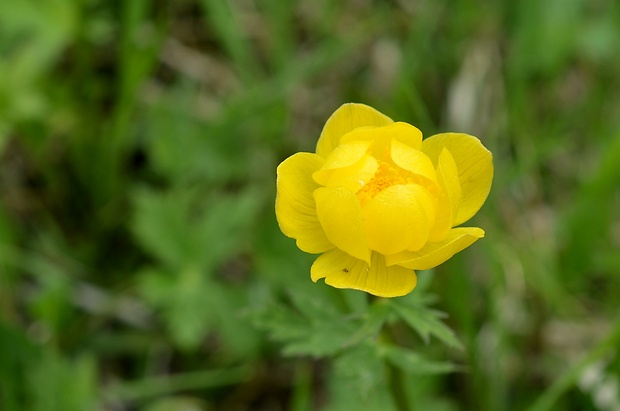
385, 176
344, 155
352, 177
397, 218
419, 166
381, 137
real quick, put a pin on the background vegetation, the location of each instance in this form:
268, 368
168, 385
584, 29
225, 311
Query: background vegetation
141, 266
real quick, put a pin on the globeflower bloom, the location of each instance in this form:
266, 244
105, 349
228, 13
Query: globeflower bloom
378, 202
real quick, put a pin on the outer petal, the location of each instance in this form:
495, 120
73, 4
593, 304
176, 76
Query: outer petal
437, 253
340, 270
295, 205
347, 166
449, 196
346, 118
474, 163
340, 215
397, 218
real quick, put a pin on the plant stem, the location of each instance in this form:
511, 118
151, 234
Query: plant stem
148, 387
396, 376
397, 387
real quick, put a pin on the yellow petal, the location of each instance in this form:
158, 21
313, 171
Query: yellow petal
397, 218
347, 166
345, 155
352, 178
340, 270
437, 253
340, 215
474, 163
346, 118
295, 205
416, 162
403, 132
449, 196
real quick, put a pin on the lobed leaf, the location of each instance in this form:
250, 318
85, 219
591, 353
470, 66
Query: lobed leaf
413, 362
426, 322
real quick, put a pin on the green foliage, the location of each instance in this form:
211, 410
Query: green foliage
412, 362
176, 404
32, 39
186, 228
426, 322
63, 385
141, 265
317, 331
360, 373
360, 341
191, 245
44, 379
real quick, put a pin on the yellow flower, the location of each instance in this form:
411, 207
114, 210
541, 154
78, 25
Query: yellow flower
379, 203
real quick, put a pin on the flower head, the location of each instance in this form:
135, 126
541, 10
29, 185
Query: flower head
378, 202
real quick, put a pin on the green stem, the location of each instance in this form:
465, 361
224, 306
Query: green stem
397, 387
149, 387
302, 389
396, 376
561, 385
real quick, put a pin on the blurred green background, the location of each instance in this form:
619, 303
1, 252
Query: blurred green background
141, 266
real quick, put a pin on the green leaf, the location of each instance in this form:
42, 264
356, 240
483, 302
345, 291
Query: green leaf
232, 326
412, 362
161, 225
177, 403
224, 20
167, 225
33, 37
193, 305
314, 326
184, 149
184, 300
169, 384
426, 322
363, 366
359, 381
374, 319
221, 231
57, 384
303, 335
17, 356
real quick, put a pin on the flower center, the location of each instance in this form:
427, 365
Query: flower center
385, 177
